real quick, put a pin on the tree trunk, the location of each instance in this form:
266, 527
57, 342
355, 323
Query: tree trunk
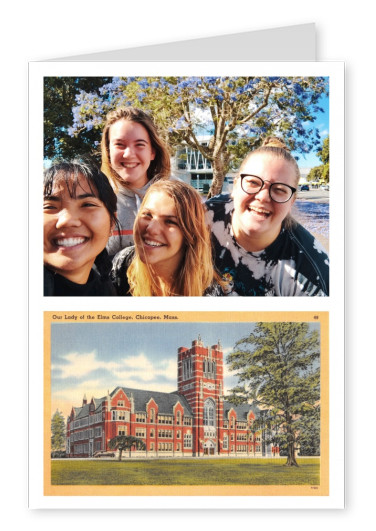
220, 167
120, 452
291, 461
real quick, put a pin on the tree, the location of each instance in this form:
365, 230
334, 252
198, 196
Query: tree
236, 112
309, 432
57, 432
277, 367
59, 98
321, 172
126, 442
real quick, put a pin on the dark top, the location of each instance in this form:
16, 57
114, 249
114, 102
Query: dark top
295, 264
57, 285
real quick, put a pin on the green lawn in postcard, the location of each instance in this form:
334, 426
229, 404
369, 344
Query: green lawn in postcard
185, 472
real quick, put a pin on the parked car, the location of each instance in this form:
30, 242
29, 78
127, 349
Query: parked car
102, 453
304, 188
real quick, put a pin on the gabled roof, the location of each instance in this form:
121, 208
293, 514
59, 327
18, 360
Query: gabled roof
241, 410
80, 412
165, 401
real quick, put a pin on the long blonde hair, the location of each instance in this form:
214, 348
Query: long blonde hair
160, 167
196, 272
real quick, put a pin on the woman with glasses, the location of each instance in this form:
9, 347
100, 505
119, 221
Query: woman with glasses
259, 248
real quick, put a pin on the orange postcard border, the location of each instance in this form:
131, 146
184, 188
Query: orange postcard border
189, 490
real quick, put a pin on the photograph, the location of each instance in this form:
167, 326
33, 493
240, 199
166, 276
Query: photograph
146, 177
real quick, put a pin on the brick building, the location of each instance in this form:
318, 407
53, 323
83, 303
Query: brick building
193, 421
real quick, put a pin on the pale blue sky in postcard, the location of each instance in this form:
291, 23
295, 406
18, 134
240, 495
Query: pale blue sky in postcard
93, 358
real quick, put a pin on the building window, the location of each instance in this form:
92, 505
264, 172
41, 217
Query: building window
165, 419
209, 369
187, 440
119, 415
120, 403
140, 417
178, 418
241, 448
165, 447
165, 434
141, 432
225, 442
152, 415
187, 369
209, 412
122, 430
187, 421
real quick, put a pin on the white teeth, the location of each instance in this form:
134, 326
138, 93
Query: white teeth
260, 211
153, 244
69, 242
130, 165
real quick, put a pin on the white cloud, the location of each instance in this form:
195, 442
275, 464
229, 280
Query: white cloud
128, 371
78, 365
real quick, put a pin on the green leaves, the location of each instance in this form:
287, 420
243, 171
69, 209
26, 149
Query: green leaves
279, 367
236, 111
57, 431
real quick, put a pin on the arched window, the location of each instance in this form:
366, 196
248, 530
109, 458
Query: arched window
209, 412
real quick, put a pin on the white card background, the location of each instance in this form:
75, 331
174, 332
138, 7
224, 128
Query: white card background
333, 304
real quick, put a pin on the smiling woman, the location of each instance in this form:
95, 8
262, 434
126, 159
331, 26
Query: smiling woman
259, 249
79, 213
134, 157
172, 253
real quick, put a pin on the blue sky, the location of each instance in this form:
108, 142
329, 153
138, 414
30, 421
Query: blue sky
311, 160
93, 358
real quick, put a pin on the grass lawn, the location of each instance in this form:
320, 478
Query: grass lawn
185, 472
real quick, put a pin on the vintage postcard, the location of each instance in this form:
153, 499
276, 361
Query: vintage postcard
186, 404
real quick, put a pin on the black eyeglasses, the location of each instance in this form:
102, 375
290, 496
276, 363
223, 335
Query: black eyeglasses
278, 192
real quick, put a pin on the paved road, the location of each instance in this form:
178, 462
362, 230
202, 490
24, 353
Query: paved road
315, 196
311, 209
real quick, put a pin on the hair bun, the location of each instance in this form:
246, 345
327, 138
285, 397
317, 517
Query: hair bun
273, 141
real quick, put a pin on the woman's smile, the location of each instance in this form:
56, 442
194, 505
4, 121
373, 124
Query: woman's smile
257, 219
159, 239
131, 152
76, 230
